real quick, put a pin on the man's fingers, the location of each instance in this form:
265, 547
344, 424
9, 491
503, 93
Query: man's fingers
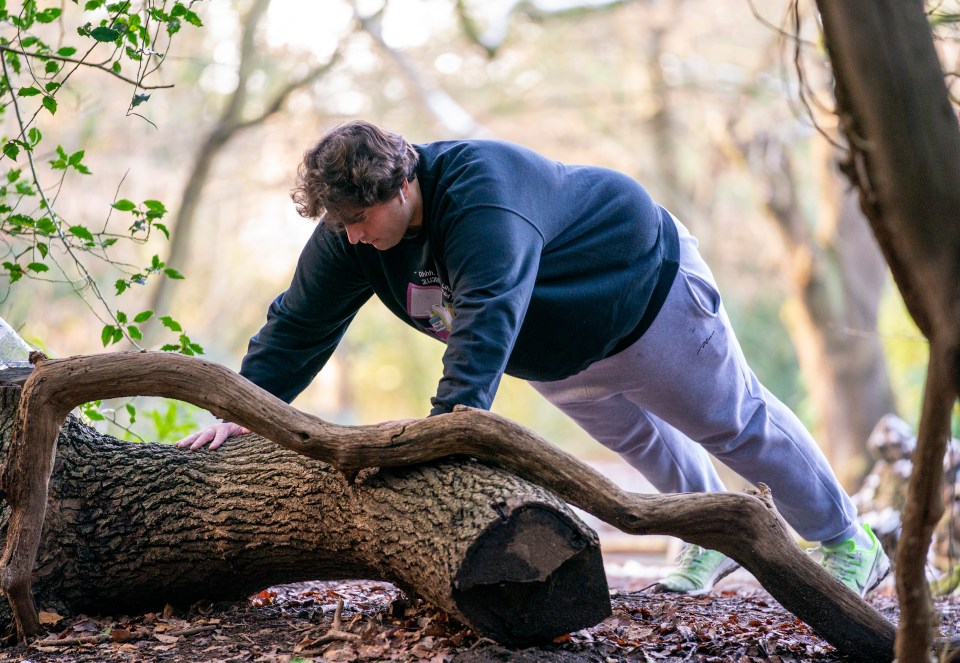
188, 440
203, 437
223, 432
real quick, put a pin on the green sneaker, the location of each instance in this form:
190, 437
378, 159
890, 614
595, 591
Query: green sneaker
697, 571
860, 569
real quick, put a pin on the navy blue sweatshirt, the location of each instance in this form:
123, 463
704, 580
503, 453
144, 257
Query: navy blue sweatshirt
523, 266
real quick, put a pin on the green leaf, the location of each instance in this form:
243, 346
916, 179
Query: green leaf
28, 92
46, 226
169, 347
171, 324
107, 243
52, 87
15, 271
134, 333
66, 51
143, 316
115, 67
104, 33
139, 99
11, 150
121, 285
42, 248
117, 334
124, 205
48, 15
34, 135
121, 317
132, 412
75, 158
51, 67
81, 232
93, 4
37, 267
162, 228
172, 273
50, 104
107, 334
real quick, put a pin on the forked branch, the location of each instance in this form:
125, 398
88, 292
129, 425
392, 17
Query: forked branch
745, 527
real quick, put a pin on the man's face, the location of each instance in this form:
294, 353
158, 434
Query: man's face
381, 226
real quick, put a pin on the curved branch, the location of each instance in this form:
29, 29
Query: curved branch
94, 65
758, 540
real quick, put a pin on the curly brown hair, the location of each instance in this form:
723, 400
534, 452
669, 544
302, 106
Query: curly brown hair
353, 167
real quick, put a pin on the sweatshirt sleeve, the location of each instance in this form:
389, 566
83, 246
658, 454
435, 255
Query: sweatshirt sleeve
305, 323
492, 255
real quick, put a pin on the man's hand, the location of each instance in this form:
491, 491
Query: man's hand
216, 435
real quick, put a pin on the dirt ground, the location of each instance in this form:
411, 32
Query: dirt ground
371, 621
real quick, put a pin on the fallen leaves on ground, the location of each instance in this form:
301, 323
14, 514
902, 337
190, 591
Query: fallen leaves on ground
370, 621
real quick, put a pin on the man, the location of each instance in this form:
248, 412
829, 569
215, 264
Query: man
570, 277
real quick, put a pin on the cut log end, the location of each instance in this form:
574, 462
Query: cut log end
532, 577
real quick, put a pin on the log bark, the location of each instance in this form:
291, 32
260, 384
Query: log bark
745, 527
904, 159
130, 527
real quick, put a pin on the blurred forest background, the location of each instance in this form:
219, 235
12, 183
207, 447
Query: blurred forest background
721, 109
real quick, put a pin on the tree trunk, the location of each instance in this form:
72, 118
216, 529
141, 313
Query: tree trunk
759, 541
130, 527
905, 158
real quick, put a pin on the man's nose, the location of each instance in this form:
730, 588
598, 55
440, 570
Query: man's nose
354, 233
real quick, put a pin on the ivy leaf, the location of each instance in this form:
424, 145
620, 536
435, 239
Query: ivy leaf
37, 267
50, 104
48, 15
107, 334
81, 232
171, 324
172, 273
104, 34
28, 92
143, 316
12, 150
124, 205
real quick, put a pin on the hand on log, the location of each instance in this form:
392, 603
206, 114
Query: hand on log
744, 527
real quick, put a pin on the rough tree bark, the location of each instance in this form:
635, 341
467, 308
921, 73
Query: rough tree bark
130, 527
905, 159
745, 527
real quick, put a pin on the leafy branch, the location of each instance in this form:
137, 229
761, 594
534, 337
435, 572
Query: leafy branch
34, 70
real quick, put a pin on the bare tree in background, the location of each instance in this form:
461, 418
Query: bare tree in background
234, 119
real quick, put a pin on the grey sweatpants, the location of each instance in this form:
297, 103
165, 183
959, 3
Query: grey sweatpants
684, 389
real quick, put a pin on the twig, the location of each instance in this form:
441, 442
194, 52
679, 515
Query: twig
68, 642
194, 630
95, 65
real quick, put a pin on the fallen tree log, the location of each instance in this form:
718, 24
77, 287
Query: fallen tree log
130, 527
745, 527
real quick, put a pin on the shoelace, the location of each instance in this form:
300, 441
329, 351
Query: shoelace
690, 562
843, 564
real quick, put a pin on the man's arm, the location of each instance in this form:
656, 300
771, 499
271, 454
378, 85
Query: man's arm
492, 256
304, 326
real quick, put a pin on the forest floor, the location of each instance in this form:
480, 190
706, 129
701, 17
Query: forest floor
373, 621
